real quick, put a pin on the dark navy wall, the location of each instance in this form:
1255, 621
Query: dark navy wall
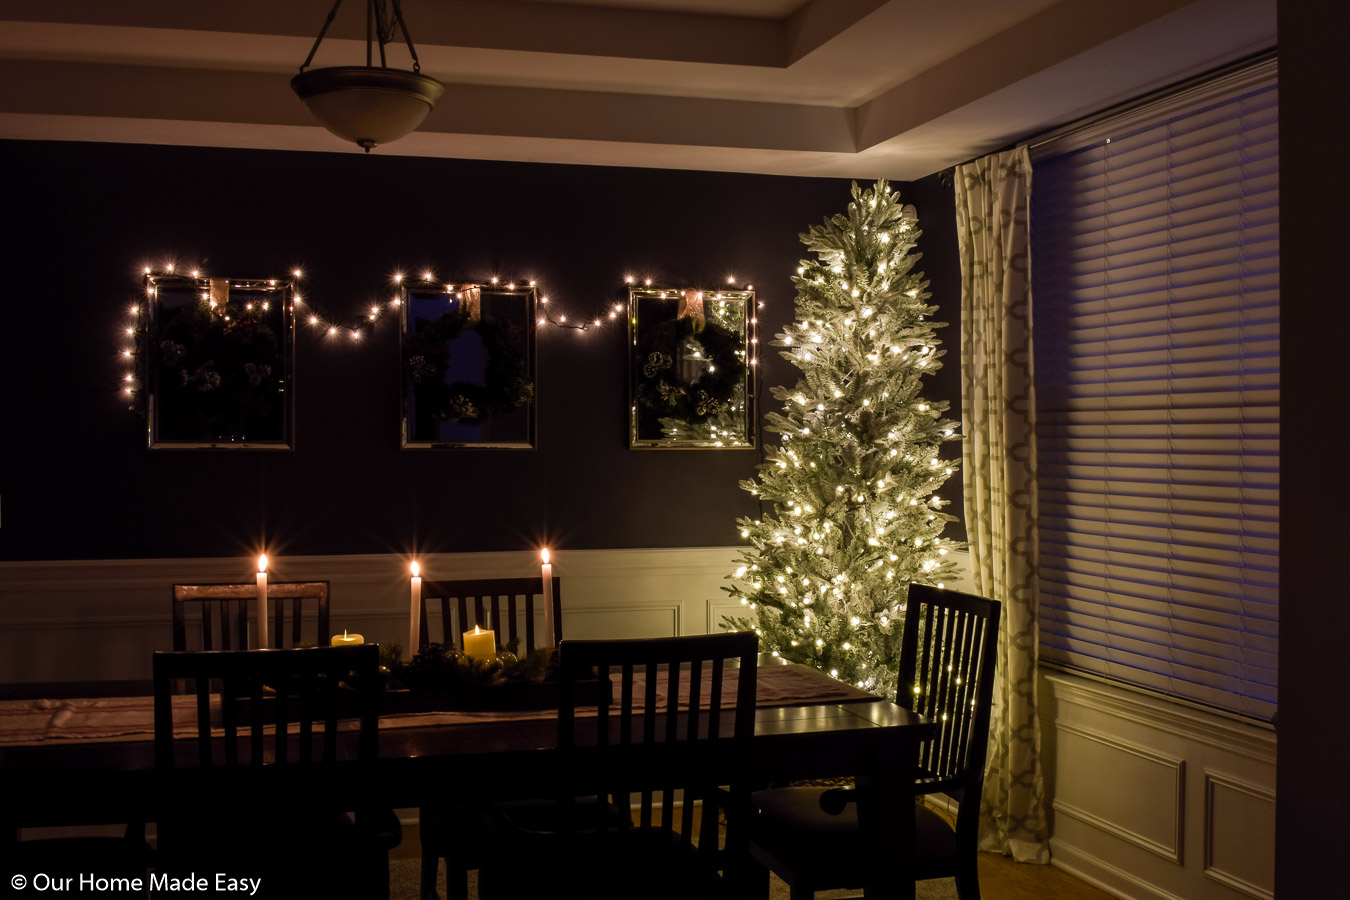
81, 219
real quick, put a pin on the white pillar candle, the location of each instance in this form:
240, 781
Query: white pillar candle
546, 570
263, 642
415, 619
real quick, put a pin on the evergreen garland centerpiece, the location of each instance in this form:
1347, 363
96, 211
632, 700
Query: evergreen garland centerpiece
853, 515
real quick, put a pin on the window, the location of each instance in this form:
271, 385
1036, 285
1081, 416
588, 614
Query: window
1155, 290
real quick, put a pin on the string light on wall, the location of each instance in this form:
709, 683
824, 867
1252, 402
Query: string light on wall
212, 297
692, 300
549, 313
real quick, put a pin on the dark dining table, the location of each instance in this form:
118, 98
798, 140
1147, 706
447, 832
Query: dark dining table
501, 756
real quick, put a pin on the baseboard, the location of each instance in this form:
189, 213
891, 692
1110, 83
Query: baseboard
1101, 874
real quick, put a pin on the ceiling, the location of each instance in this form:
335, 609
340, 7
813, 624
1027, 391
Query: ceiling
850, 88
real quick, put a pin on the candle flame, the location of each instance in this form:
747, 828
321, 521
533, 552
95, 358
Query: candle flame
545, 555
344, 634
415, 570
477, 630
262, 563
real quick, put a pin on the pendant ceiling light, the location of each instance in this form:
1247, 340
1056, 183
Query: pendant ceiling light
369, 105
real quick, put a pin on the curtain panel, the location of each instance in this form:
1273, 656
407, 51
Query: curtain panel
998, 411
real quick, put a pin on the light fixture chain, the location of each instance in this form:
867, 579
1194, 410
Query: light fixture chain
322, 31
403, 26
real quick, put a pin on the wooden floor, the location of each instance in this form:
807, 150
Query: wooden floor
1000, 877
1003, 879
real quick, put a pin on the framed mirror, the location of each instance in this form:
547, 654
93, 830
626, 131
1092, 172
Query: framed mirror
691, 369
219, 359
468, 365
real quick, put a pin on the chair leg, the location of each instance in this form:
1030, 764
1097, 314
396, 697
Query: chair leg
456, 881
430, 863
755, 876
967, 877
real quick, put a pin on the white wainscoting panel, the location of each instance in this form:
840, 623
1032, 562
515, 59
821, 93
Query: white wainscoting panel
86, 620
1239, 832
91, 620
1090, 767
1153, 799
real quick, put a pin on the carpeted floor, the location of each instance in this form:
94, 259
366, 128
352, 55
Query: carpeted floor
404, 880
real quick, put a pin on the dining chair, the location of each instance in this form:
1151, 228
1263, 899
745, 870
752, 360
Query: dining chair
809, 836
490, 603
630, 777
454, 833
254, 785
223, 609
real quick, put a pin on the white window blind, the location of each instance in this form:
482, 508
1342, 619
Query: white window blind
1155, 290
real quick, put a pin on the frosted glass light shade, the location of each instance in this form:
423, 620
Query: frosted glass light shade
366, 105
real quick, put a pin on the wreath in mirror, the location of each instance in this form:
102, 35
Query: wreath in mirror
505, 385
657, 360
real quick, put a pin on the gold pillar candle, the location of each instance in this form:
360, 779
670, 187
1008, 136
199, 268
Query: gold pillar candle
479, 644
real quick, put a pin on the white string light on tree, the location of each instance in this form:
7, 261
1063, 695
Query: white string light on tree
851, 514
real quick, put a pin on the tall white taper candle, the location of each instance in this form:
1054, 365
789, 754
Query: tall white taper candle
415, 620
263, 642
546, 640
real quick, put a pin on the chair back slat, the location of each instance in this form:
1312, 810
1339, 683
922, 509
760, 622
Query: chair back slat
279, 688
947, 655
256, 725
230, 719
665, 722
229, 605
495, 603
204, 721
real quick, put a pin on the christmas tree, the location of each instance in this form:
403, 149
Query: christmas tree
850, 514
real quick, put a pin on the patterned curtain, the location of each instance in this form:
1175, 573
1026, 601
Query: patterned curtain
998, 412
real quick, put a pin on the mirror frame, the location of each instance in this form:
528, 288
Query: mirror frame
215, 292
455, 291
748, 350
